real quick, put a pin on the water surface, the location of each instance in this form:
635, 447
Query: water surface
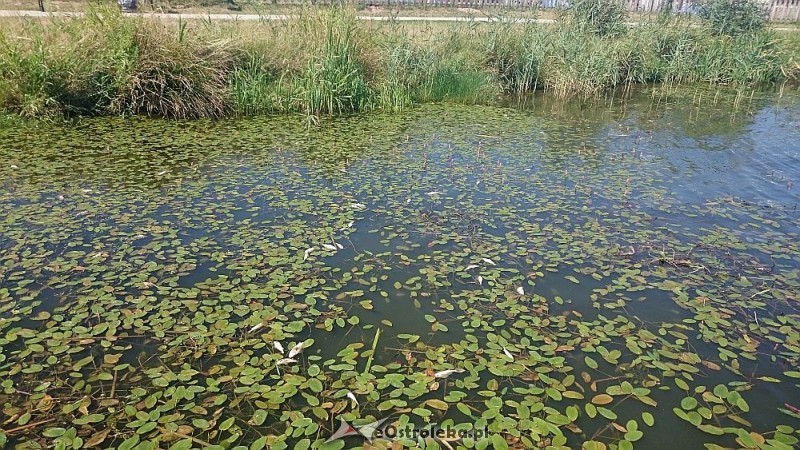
608, 275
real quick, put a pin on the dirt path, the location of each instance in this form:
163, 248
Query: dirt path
269, 17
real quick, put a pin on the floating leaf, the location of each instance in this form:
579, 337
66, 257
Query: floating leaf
602, 399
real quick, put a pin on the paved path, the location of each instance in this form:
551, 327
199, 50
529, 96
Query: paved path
268, 17
252, 17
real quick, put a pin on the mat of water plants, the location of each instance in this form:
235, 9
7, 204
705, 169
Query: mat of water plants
567, 276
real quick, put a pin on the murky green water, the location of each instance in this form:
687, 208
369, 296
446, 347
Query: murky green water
607, 277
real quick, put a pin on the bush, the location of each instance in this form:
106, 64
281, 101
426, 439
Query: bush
601, 17
733, 17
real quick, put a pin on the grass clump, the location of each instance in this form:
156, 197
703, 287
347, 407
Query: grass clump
107, 64
452, 67
67, 67
175, 77
334, 80
516, 54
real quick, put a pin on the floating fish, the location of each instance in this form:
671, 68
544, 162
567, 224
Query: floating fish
161, 173
480, 280
508, 353
470, 267
349, 225
521, 290
339, 246
447, 373
358, 205
434, 193
329, 247
284, 361
256, 327
488, 261
308, 252
352, 397
14, 166
278, 346
296, 350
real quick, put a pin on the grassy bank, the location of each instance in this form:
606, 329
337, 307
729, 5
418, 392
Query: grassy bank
326, 62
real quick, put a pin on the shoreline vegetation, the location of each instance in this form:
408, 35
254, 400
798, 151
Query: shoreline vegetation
323, 61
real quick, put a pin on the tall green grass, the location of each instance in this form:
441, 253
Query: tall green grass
334, 80
326, 62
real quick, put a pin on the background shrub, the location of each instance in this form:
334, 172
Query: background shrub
733, 17
601, 17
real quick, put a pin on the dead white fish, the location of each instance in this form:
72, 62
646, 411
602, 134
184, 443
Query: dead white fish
352, 397
256, 327
480, 280
488, 261
432, 193
471, 266
408, 200
447, 373
358, 205
339, 246
308, 252
284, 361
278, 346
14, 166
521, 290
329, 247
86, 191
349, 225
296, 350
508, 354
161, 173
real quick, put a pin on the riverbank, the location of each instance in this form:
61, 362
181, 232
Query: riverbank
323, 62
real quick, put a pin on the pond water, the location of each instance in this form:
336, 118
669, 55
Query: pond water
611, 276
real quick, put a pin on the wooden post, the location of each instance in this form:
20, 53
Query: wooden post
41, 5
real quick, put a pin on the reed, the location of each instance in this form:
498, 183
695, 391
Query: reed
326, 62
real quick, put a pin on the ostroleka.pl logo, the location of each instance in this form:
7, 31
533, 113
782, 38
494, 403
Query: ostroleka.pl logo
388, 431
